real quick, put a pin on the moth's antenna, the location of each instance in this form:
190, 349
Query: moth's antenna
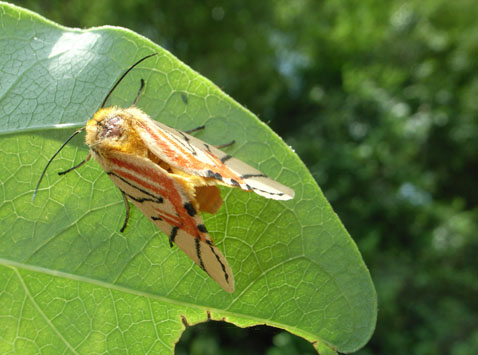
122, 77
53, 157
141, 87
81, 129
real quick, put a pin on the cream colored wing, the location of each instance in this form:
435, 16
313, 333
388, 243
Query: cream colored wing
162, 199
196, 157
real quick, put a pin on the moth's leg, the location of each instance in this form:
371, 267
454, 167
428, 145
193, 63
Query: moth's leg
217, 146
141, 87
198, 128
53, 157
225, 144
172, 235
77, 165
126, 218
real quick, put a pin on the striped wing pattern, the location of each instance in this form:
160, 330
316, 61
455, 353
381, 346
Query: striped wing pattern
170, 177
162, 199
196, 157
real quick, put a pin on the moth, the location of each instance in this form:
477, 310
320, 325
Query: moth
170, 176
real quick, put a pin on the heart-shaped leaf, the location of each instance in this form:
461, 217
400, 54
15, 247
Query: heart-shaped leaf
71, 282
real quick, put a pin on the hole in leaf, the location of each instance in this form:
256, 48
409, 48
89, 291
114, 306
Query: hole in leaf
215, 337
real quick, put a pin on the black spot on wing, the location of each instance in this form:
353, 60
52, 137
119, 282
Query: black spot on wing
143, 199
225, 158
154, 198
185, 142
198, 253
190, 209
185, 137
202, 228
264, 191
213, 250
223, 267
248, 176
248, 187
234, 182
172, 235
212, 174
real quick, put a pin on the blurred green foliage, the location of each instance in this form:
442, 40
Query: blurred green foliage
380, 100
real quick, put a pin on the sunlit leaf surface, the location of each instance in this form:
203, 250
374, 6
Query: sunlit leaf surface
70, 282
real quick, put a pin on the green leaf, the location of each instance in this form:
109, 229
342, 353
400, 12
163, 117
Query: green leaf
71, 282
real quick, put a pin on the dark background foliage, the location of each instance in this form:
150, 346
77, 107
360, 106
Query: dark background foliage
380, 100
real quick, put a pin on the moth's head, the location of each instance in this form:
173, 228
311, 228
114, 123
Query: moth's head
112, 128
107, 123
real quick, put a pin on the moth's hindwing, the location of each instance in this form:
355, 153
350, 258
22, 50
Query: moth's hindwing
162, 199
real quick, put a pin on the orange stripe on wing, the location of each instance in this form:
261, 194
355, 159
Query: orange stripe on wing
223, 170
139, 181
171, 153
169, 218
190, 161
165, 187
178, 222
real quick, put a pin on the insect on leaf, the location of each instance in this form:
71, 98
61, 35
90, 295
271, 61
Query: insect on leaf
170, 176
63, 260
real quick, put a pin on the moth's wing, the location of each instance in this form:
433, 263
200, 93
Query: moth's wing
208, 257
159, 196
196, 157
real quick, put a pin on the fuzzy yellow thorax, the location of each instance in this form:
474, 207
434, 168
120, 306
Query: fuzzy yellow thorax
112, 129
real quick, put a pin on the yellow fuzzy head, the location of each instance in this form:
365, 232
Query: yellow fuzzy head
112, 128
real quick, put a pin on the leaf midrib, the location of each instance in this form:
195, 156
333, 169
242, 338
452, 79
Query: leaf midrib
17, 265
42, 128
